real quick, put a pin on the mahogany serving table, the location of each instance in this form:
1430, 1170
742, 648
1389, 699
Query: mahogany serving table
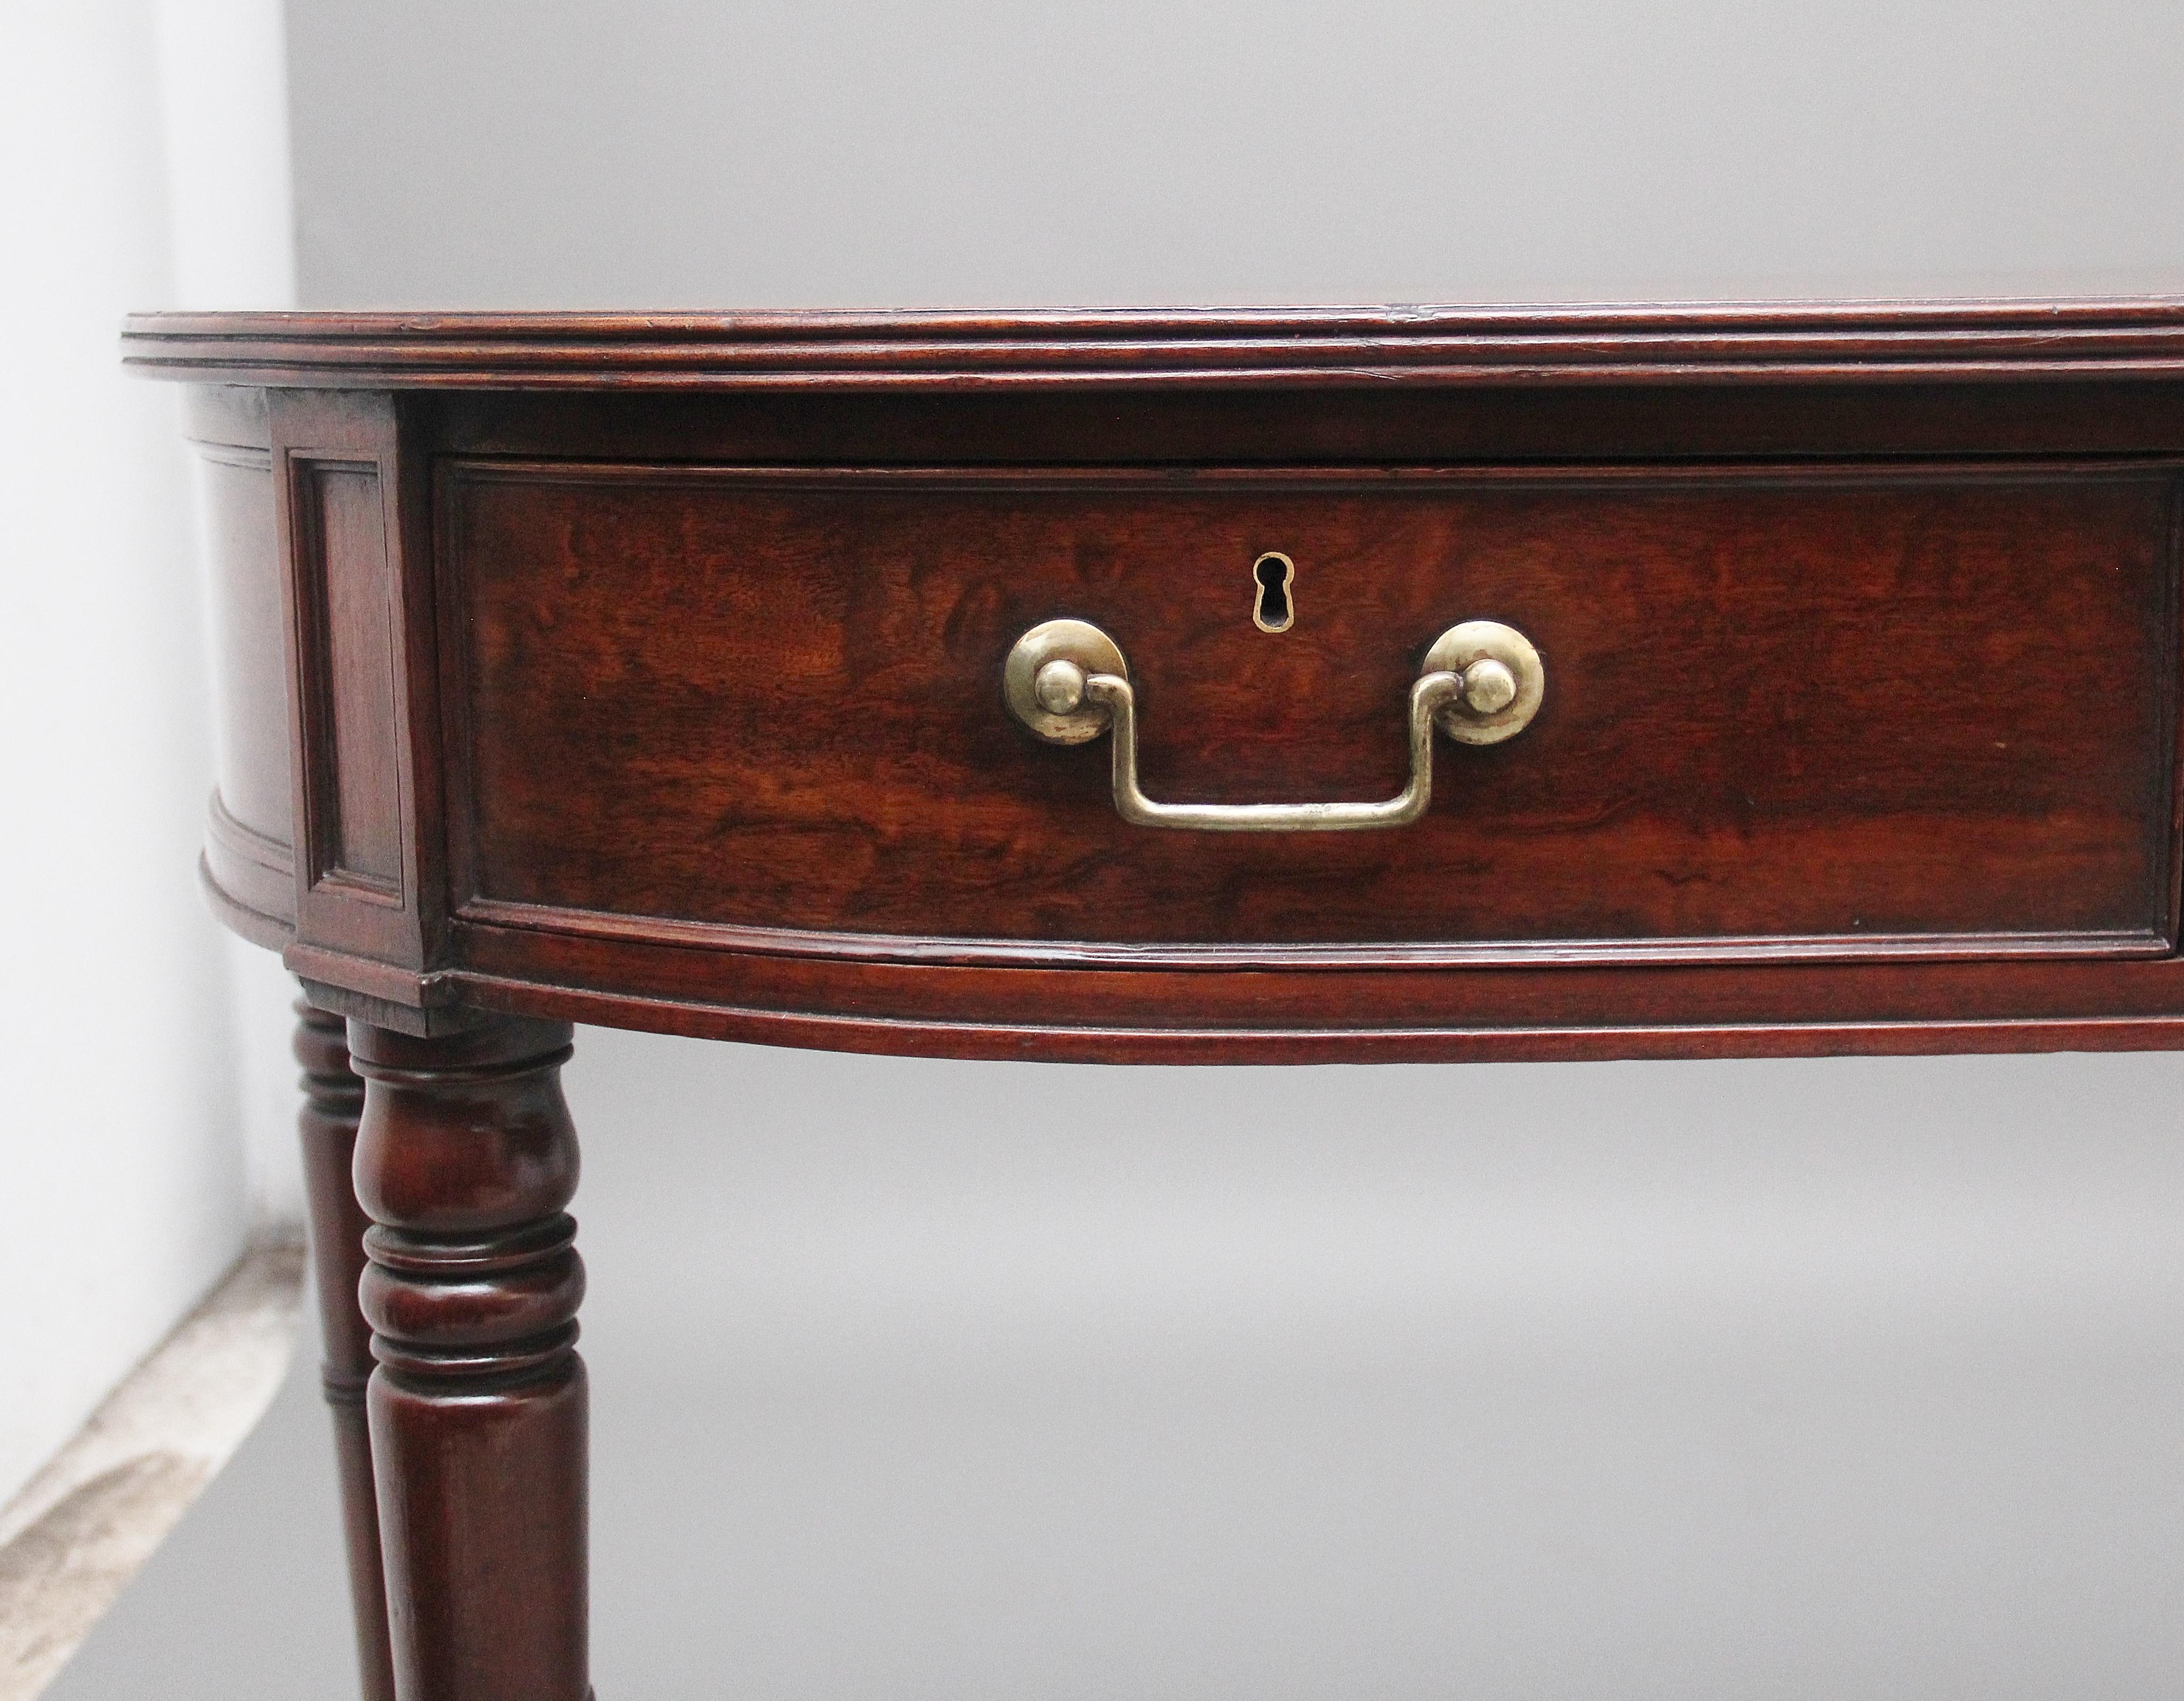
1218, 686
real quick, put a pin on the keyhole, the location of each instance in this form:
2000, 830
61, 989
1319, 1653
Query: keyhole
1272, 576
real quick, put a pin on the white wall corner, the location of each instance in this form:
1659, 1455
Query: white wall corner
224, 118
153, 139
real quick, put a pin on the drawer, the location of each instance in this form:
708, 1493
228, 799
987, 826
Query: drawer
1830, 711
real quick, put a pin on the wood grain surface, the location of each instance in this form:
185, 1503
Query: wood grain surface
1436, 346
659, 686
1863, 705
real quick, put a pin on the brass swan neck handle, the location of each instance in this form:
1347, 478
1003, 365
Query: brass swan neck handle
1481, 682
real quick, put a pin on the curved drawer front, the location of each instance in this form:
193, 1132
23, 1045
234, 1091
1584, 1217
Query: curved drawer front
1808, 709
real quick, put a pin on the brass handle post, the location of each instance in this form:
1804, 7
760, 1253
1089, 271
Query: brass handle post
1066, 679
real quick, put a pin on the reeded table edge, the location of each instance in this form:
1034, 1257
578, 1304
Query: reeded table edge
2141, 336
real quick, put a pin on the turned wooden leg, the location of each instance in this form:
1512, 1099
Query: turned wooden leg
465, 1160
333, 1098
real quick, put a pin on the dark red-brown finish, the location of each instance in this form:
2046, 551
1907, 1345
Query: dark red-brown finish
1783, 705
347, 504
333, 1101
1266, 347
465, 1161
645, 670
248, 863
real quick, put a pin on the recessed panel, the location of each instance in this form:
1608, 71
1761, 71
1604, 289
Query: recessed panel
356, 824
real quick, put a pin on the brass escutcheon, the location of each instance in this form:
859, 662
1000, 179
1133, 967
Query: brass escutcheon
1273, 592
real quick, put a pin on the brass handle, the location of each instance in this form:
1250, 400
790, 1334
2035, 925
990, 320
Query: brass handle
1481, 683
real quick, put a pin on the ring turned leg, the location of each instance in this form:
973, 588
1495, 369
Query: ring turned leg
465, 1161
333, 1098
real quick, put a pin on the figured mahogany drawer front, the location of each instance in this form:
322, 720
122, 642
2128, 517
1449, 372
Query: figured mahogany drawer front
1912, 708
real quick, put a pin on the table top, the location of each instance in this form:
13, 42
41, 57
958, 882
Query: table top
1209, 346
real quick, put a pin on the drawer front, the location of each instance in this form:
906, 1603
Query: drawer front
1827, 710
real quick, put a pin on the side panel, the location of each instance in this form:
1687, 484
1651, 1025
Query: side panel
249, 858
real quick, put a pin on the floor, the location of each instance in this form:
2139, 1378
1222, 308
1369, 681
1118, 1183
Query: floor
246, 1599
924, 1390
76, 1533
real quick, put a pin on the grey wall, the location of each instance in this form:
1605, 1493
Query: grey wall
913, 1379
780, 153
